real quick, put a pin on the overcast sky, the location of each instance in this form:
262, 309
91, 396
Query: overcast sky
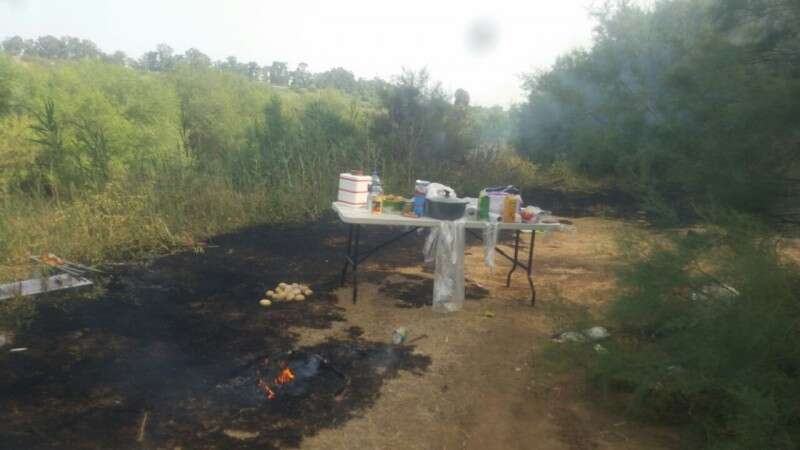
481, 46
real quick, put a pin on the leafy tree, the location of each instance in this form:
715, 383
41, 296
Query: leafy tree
670, 107
75, 48
767, 29
16, 46
419, 125
253, 71
279, 74
196, 59
50, 47
120, 58
216, 109
493, 125
160, 60
461, 101
462, 133
301, 78
337, 78
231, 65
265, 73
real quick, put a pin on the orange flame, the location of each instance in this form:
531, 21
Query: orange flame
285, 376
267, 391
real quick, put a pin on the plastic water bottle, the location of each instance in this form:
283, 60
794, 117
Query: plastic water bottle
376, 183
375, 200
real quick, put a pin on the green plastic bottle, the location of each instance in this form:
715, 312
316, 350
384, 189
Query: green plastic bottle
483, 206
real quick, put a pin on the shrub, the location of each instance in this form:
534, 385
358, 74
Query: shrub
707, 335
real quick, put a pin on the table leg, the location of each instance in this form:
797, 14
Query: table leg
348, 256
355, 263
530, 267
516, 261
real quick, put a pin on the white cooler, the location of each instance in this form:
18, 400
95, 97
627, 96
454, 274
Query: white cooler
353, 189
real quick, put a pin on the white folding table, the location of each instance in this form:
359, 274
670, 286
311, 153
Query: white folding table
356, 217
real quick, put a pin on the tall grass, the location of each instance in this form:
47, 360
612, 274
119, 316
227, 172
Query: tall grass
124, 221
131, 219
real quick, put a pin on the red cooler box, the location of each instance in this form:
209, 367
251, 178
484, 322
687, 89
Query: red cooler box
353, 189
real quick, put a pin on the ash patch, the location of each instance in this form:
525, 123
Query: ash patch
166, 334
320, 400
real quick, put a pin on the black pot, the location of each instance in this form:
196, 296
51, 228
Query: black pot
446, 208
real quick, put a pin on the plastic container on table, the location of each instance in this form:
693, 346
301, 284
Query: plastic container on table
375, 195
353, 189
393, 204
511, 206
376, 204
447, 207
420, 191
496, 202
483, 206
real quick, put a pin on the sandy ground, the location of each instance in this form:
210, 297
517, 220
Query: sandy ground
486, 388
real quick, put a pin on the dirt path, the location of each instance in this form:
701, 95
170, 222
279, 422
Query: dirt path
484, 388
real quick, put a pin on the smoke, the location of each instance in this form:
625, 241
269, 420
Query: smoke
482, 36
14, 3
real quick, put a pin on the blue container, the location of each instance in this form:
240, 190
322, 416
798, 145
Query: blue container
420, 191
419, 205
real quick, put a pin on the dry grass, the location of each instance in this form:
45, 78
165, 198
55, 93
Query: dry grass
122, 223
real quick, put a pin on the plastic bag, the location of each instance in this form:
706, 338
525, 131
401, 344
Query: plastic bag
445, 245
429, 249
436, 190
490, 232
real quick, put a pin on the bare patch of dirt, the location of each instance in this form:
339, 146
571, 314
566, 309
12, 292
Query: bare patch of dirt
486, 386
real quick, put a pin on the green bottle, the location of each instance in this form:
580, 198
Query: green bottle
483, 206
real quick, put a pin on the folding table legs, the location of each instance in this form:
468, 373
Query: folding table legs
516, 260
352, 257
347, 255
355, 262
528, 268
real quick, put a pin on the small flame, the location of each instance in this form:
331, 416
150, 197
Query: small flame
267, 391
285, 376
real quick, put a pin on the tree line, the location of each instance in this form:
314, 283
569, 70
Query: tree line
164, 58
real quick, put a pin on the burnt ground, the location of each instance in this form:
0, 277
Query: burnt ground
176, 339
173, 343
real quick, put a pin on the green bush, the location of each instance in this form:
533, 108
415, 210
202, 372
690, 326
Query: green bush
706, 334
